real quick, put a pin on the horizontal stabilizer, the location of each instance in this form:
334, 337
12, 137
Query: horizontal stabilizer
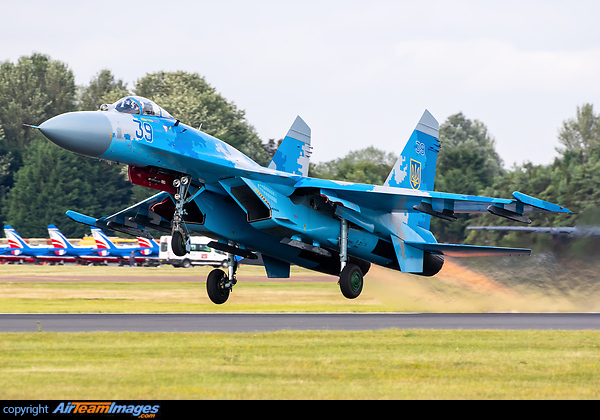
528, 229
453, 250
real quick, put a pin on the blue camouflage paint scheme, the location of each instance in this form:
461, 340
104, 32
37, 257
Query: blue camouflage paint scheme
257, 207
294, 152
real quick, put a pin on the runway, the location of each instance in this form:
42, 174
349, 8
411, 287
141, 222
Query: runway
260, 322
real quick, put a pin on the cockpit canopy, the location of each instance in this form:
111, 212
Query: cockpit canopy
137, 105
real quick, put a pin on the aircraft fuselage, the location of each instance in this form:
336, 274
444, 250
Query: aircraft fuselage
163, 143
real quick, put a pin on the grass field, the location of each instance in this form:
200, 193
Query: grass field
390, 364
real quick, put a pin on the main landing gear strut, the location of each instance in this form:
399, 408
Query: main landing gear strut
351, 276
220, 284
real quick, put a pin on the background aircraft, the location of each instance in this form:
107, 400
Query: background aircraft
63, 247
147, 247
7, 250
328, 226
20, 249
83, 254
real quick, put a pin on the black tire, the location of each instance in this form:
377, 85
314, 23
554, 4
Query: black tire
178, 244
186, 263
215, 286
351, 281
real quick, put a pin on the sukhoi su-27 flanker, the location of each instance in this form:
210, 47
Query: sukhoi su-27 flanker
339, 228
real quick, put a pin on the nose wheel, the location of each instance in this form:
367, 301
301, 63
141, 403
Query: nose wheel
178, 243
218, 286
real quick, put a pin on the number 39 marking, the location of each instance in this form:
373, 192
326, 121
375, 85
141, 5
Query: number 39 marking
144, 131
420, 149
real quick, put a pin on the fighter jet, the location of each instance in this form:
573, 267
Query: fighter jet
147, 247
18, 248
81, 254
212, 189
63, 247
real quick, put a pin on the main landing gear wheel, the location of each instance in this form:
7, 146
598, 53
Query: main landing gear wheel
351, 281
216, 286
178, 244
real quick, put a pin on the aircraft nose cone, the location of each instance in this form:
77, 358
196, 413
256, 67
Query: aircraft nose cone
86, 133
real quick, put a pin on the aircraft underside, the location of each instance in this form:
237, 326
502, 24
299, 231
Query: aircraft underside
314, 239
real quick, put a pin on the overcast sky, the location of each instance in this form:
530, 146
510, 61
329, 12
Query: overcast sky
360, 73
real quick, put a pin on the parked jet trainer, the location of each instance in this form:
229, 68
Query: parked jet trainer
339, 228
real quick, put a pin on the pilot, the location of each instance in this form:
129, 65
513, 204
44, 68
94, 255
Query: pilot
148, 108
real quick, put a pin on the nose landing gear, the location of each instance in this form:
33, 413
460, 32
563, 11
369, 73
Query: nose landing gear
218, 286
180, 241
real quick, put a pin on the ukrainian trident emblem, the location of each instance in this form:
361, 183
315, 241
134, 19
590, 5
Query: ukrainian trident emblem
415, 174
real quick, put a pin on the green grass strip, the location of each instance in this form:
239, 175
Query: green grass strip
388, 364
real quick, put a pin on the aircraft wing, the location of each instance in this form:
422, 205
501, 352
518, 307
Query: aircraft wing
453, 250
391, 199
135, 219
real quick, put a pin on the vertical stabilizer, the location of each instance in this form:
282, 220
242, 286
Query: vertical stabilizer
14, 239
294, 152
58, 239
415, 168
148, 246
102, 241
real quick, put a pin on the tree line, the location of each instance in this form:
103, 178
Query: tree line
40, 181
